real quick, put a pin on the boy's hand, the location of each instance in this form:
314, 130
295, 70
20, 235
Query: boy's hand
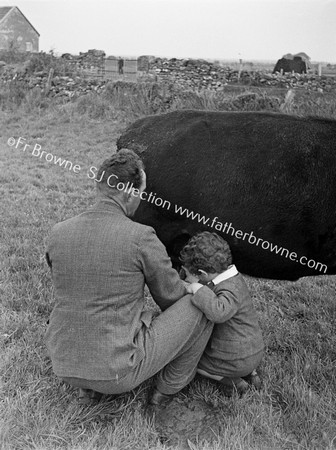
192, 288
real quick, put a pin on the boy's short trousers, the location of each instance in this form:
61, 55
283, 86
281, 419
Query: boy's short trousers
217, 369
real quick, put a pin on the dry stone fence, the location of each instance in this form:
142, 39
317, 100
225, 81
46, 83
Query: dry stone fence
77, 75
200, 74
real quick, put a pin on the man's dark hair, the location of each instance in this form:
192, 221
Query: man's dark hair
126, 165
206, 251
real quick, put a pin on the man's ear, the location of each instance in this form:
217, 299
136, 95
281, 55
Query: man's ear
127, 196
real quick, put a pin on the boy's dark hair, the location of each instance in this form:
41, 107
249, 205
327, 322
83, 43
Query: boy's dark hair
126, 165
206, 251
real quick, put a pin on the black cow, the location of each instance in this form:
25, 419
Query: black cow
266, 176
296, 65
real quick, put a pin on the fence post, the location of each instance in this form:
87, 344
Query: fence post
240, 68
48, 84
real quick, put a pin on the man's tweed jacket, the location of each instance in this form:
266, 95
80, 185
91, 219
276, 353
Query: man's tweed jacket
100, 262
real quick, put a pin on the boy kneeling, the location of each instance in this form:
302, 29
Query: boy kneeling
236, 346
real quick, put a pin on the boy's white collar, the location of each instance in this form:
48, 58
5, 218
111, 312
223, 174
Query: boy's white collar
228, 273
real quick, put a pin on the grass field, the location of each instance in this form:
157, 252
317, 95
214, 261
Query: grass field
296, 408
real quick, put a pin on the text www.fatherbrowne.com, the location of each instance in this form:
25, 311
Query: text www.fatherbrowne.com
151, 197
250, 238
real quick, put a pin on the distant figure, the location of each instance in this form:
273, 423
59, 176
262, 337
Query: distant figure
120, 66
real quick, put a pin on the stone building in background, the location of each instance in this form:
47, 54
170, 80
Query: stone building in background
16, 32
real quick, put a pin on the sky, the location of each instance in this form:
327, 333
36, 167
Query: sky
209, 29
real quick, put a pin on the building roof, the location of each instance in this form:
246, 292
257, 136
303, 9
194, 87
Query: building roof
5, 10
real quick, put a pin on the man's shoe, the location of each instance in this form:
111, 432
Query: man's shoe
88, 397
253, 379
157, 398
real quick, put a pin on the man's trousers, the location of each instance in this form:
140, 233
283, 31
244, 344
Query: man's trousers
172, 344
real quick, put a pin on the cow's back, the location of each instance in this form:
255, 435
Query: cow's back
265, 173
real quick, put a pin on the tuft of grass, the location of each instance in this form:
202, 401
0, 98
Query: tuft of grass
126, 101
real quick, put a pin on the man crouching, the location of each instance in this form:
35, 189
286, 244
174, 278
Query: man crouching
99, 337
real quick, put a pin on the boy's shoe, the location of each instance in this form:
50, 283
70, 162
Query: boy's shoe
231, 385
253, 379
157, 398
88, 397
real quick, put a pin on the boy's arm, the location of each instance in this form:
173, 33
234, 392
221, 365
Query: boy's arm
218, 308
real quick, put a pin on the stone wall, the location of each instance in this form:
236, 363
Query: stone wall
60, 86
93, 60
195, 75
200, 74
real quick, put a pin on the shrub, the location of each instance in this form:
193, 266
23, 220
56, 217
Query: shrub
43, 62
13, 56
12, 94
136, 99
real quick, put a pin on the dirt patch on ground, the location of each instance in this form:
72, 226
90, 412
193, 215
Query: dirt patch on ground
184, 420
